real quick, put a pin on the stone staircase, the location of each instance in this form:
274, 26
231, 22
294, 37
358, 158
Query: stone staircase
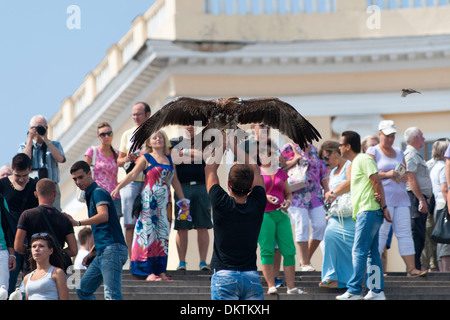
195, 285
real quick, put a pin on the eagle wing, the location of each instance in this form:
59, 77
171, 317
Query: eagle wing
181, 111
279, 115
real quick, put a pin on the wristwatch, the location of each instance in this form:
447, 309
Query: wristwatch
383, 207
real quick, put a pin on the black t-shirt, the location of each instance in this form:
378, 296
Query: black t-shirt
18, 201
191, 171
236, 229
33, 222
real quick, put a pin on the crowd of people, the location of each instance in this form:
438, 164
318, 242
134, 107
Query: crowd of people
355, 196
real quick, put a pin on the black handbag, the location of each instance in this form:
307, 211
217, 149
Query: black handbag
137, 206
441, 230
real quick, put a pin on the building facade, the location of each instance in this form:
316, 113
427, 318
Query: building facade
341, 63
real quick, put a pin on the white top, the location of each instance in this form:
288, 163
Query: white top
78, 263
437, 175
395, 193
43, 288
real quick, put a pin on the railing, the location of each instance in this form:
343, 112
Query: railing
255, 7
155, 21
405, 4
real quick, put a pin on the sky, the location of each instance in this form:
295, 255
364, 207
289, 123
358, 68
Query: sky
43, 61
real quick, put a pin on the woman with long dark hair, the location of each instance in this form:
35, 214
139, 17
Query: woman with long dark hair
103, 162
47, 281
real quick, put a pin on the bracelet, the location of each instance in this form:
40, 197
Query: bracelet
79, 223
422, 199
12, 255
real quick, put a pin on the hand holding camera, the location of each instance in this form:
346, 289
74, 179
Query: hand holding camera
38, 130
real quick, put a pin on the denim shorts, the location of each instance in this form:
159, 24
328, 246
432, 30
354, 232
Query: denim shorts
236, 285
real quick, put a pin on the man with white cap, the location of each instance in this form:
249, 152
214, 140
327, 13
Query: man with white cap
420, 189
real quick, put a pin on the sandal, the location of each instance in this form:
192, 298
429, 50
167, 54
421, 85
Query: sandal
167, 279
153, 278
296, 291
328, 284
272, 290
419, 274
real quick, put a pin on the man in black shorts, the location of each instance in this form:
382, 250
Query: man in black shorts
191, 174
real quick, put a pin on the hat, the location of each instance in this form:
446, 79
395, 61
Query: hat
387, 127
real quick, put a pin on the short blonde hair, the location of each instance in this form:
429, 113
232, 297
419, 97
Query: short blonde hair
167, 145
45, 187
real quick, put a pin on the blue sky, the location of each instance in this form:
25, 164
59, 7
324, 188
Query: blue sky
42, 61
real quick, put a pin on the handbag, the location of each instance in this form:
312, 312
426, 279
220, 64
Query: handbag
81, 195
342, 206
137, 206
297, 175
441, 230
89, 257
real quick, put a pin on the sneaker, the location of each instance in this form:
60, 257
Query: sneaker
307, 268
349, 296
204, 266
182, 265
295, 291
272, 291
278, 283
371, 295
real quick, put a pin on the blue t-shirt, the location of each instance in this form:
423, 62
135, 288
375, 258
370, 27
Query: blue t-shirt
108, 232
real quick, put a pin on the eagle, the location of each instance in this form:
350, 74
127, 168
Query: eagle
229, 113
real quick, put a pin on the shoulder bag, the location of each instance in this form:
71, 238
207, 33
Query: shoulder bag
297, 176
81, 195
67, 260
441, 230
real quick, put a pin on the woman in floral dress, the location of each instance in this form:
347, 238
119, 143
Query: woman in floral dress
151, 234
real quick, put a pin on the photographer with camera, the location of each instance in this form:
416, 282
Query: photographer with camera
44, 153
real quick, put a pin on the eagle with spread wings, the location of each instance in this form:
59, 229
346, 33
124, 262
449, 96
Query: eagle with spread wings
228, 113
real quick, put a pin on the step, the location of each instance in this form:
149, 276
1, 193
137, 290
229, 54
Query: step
195, 285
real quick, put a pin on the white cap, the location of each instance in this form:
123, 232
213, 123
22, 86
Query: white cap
387, 127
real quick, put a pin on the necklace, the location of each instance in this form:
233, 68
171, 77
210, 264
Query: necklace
18, 188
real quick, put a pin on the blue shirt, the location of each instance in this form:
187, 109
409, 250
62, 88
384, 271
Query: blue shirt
108, 232
37, 159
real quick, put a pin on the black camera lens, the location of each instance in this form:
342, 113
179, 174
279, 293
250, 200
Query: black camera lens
41, 130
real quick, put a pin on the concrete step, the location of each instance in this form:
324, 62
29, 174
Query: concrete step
195, 285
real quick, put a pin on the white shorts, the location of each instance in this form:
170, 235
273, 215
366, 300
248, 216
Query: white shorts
302, 218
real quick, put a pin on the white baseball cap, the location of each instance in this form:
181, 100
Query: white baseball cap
387, 127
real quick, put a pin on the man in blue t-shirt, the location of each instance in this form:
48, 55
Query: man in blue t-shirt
112, 251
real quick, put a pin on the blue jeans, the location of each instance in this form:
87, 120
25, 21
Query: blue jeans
365, 253
236, 285
106, 268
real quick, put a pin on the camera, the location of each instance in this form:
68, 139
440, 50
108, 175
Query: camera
41, 130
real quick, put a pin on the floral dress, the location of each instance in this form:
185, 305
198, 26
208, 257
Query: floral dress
151, 234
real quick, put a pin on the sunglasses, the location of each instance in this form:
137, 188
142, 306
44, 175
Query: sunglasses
39, 235
104, 134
